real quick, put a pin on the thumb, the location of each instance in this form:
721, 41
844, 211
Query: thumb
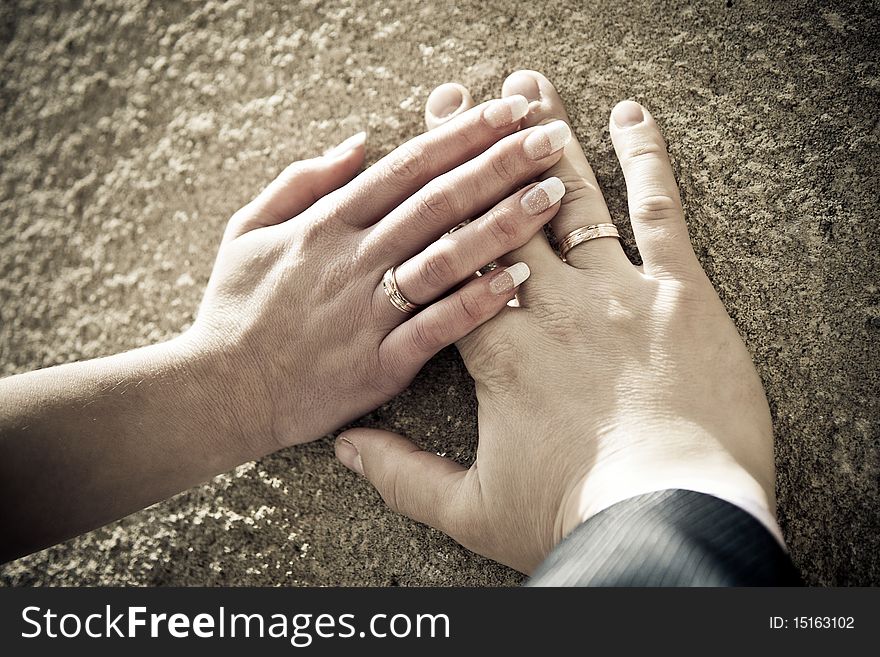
299, 186
419, 484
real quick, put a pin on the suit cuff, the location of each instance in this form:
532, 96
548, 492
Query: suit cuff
669, 538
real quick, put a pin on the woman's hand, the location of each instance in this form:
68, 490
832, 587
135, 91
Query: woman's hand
295, 335
295, 309
610, 381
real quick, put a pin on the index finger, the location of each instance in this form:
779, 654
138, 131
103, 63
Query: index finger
401, 173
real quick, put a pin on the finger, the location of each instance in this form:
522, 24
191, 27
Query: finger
446, 102
457, 255
542, 261
654, 203
583, 203
299, 186
409, 346
465, 191
536, 249
405, 170
421, 485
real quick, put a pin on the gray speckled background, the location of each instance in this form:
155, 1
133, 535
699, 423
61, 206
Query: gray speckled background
132, 130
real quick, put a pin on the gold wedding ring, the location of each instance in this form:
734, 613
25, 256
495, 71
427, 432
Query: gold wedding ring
585, 234
395, 296
458, 226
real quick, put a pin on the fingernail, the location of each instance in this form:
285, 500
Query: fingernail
505, 111
524, 84
355, 141
542, 196
547, 139
506, 280
348, 455
445, 100
627, 114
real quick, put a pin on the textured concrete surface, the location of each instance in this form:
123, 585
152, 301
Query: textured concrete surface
132, 130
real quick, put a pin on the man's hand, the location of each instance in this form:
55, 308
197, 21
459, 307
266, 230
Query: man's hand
607, 382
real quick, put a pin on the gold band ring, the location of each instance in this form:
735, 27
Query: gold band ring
585, 234
458, 226
395, 296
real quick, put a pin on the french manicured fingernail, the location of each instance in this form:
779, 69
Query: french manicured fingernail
347, 146
348, 455
627, 114
542, 196
505, 111
506, 280
445, 100
547, 139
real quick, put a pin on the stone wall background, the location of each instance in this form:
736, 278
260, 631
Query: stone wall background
131, 130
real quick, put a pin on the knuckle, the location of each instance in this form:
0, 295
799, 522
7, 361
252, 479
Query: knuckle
327, 206
250, 216
408, 163
645, 149
292, 172
389, 482
316, 233
469, 306
618, 316
437, 269
435, 203
241, 218
505, 167
655, 207
504, 225
578, 188
392, 373
385, 376
468, 138
389, 489
398, 490
424, 336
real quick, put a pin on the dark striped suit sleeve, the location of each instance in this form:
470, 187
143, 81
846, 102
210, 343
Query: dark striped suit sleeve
669, 538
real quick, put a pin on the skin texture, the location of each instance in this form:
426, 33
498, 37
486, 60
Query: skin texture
610, 380
295, 335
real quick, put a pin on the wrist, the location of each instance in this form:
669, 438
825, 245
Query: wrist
218, 397
610, 483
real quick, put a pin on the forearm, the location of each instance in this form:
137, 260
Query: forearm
86, 443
